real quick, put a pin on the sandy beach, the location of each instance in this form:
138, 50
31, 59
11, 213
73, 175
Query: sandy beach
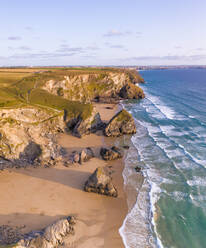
35, 197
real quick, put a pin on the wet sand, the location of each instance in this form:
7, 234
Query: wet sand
36, 197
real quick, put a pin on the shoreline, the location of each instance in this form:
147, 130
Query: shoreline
36, 197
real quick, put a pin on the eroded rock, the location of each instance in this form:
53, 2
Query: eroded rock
28, 136
80, 157
122, 123
31, 152
111, 153
50, 237
101, 182
90, 125
131, 91
85, 155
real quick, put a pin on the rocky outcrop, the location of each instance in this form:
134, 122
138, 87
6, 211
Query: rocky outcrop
50, 237
90, 125
80, 157
101, 182
10, 235
103, 86
122, 123
85, 155
111, 153
131, 91
28, 134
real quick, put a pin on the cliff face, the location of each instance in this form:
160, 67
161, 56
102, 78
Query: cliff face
89, 87
28, 134
57, 101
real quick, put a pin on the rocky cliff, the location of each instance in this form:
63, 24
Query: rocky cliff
58, 101
28, 134
101, 86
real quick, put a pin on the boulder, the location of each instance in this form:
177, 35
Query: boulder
101, 182
138, 168
126, 147
111, 153
80, 157
75, 157
50, 237
131, 91
90, 125
85, 155
122, 123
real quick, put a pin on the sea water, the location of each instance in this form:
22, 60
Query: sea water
170, 146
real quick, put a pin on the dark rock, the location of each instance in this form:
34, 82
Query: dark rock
31, 152
101, 182
125, 147
75, 157
131, 91
10, 235
138, 169
85, 155
90, 125
122, 123
111, 153
89, 152
80, 157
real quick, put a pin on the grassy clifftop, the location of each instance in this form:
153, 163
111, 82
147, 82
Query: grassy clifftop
19, 87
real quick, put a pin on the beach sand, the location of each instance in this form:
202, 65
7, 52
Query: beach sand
36, 197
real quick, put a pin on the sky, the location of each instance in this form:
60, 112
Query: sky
102, 32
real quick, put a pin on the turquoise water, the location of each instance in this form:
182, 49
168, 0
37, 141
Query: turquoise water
171, 146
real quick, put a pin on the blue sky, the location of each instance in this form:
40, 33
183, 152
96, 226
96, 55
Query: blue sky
109, 32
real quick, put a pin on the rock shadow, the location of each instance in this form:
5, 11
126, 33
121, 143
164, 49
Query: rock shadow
68, 177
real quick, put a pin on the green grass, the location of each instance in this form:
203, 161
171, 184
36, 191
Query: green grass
22, 86
73, 109
8, 246
123, 115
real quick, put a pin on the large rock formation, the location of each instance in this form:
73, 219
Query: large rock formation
50, 237
101, 182
122, 123
131, 91
91, 124
111, 153
28, 134
104, 86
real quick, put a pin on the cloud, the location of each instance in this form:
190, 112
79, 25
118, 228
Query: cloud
89, 56
178, 47
24, 48
118, 46
200, 49
92, 48
63, 51
46, 55
116, 33
14, 38
169, 57
66, 48
29, 28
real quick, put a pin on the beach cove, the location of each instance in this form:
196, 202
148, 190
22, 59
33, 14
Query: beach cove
35, 197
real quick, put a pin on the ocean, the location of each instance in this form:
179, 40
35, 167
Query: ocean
168, 208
